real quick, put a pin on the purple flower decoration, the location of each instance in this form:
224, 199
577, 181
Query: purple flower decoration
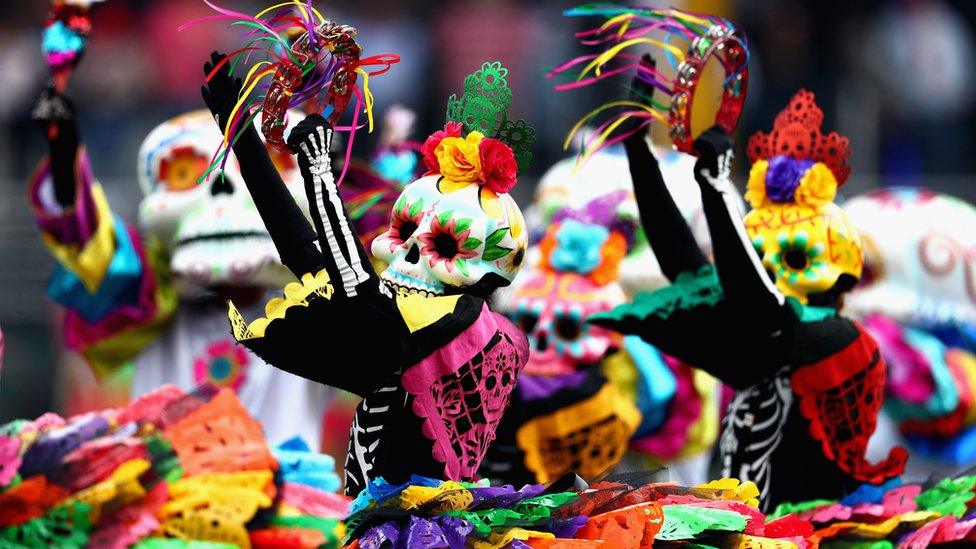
783, 177
602, 211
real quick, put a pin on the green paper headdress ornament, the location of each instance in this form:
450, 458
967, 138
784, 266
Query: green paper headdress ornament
483, 106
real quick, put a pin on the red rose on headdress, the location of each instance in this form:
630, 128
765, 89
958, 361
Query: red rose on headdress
498, 166
451, 129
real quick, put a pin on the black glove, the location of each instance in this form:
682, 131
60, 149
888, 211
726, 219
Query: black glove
55, 116
222, 92
640, 92
714, 149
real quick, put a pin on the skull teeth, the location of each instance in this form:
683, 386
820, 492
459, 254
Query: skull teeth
402, 290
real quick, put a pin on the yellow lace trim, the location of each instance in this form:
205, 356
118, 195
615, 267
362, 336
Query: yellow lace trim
458, 499
121, 488
734, 489
296, 294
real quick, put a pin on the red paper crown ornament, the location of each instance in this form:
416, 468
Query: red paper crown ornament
796, 133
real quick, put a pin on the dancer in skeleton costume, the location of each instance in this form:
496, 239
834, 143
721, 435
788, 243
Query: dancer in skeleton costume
147, 300
809, 383
434, 365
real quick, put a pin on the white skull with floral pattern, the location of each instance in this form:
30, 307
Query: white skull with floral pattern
568, 185
210, 227
919, 256
446, 235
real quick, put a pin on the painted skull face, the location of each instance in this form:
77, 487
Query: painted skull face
919, 256
805, 240
552, 307
805, 249
211, 227
444, 235
605, 173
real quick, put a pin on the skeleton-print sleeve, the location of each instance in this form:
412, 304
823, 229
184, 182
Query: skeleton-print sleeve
340, 306
345, 258
744, 280
290, 231
669, 236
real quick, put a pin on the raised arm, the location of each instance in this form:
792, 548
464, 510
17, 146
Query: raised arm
668, 234
106, 279
745, 282
56, 115
345, 257
293, 236
343, 304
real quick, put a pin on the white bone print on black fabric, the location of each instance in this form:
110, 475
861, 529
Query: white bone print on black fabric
365, 433
753, 429
722, 183
329, 216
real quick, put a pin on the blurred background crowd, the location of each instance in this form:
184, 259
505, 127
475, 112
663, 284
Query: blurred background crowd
895, 76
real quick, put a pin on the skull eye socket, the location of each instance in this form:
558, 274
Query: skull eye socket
796, 258
567, 328
181, 170
446, 246
406, 229
527, 322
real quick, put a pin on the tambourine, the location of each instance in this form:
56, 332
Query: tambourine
627, 27
732, 52
296, 58
303, 63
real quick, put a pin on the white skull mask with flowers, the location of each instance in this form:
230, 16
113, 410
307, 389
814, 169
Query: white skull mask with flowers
210, 226
457, 227
577, 276
919, 256
569, 184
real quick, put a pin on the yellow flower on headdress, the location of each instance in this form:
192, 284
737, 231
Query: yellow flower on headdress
756, 187
458, 159
817, 188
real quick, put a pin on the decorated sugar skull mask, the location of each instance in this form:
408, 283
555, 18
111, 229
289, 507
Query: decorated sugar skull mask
210, 226
577, 276
457, 228
919, 256
552, 307
443, 235
805, 240
606, 173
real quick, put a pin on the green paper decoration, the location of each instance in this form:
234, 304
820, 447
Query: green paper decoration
483, 107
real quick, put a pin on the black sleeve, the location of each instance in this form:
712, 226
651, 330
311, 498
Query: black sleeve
747, 286
357, 319
55, 115
293, 236
661, 220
